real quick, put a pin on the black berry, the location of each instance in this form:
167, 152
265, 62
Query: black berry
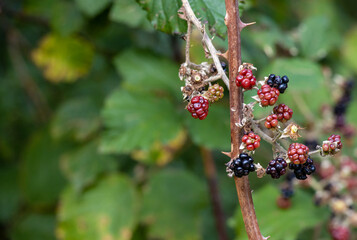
277, 168
242, 165
302, 170
280, 83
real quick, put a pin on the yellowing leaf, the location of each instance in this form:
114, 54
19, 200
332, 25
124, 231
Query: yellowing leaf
63, 59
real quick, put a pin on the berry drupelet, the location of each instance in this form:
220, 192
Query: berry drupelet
242, 165
280, 83
283, 112
301, 170
277, 168
198, 107
246, 79
252, 141
268, 95
298, 153
271, 121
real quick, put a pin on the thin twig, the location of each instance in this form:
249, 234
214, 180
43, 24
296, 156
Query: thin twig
206, 40
211, 175
267, 138
188, 42
213, 78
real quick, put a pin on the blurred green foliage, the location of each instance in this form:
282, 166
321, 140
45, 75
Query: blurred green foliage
95, 140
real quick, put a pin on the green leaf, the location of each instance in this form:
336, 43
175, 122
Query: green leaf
171, 214
34, 227
301, 73
163, 15
9, 193
106, 211
277, 223
41, 179
129, 12
317, 37
349, 49
83, 166
92, 7
136, 120
143, 70
212, 132
63, 59
77, 117
65, 18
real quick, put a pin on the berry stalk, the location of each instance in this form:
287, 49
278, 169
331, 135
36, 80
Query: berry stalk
234, 27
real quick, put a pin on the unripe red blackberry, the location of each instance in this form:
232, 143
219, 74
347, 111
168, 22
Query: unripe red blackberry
283, 112
271, 121
242, 165
277, 168
298, 153
214, 93
339, 233
268, 95
332, 145
198, 107
301, 170
246, 79
252, 141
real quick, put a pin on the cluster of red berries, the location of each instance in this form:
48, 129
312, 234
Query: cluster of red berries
277, 168
339, 232
283, 112
332, 145
268, 95
246, 79
251, 140
198, 107
298, 153
271, 121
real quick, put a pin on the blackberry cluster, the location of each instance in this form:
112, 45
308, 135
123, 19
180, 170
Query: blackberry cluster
280, 83
246, 79
242, 165
277, 168
198, 107
298, 153
283, 112
268, 95
301, 170
271, 121
252, 141
332, 145
214, 93
214, 69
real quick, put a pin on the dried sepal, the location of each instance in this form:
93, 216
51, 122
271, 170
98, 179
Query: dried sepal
291, 131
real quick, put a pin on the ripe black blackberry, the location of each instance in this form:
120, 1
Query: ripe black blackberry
214, 69
287, 192
301, 170
242, 165
280, 83
277, 168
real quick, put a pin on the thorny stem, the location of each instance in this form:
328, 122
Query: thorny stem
211, 175
234, 27
188, 41
191, 17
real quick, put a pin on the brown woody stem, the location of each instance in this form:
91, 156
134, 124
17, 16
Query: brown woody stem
234, 27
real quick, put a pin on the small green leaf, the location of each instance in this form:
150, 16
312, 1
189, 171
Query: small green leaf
212, 132
317, 37
137, 120
143, 70
77, 117
63, 59
349, 49
34, 227
302, 73
171, 215
130, 13
40, 177
277, 223
92, 7
106, 211
83, 166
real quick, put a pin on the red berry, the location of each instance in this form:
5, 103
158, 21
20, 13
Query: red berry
268, 95
298, 153
251, 140
198, 107
339, 233
283, 112
271, 121
246, 79
332, 145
